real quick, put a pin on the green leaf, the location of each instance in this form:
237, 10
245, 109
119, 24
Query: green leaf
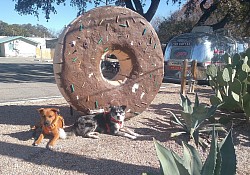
220, 79
235, 96
191, 159
169, 163
225, 75
236, 59
211, 70
227, 58
179, 163
212, 83
248, 52
245, 67
196, 102
186, 104
235, 87
228, 156
215, 101
218, 162
209, 129
210, 163
188, 121
176, 134
242, 76
177, 119
246, 104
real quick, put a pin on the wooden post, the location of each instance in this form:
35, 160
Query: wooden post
192, 80
194, 69
184, 76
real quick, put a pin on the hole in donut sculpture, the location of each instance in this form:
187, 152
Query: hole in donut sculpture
110, 67
116, 66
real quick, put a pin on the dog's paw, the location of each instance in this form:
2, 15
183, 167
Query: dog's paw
50, 147
54, 148
35, 144
133, 137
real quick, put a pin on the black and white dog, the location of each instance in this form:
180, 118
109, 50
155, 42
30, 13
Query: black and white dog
111, 122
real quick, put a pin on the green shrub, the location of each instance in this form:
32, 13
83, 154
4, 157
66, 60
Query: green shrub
221, 159
231, 83
193, 116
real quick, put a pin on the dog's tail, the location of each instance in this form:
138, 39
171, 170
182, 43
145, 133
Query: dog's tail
69, 130
62, 133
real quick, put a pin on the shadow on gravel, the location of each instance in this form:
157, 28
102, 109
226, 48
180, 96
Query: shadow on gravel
22, 73
28, 115
72, 162
160, 126
160, 129
164, 108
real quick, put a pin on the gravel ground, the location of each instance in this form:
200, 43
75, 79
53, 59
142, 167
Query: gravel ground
109, 155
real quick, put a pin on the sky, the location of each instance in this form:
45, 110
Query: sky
65, 14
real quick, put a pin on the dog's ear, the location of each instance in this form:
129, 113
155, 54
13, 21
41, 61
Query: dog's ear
56, 110
40, 110
123, 107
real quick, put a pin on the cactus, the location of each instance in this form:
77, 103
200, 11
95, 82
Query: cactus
221, 158
193, 115
232, 83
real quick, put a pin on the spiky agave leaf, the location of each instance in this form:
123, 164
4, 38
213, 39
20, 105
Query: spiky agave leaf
178, 122
210, 163
196, 102
228, 156
191, 159
170, 164
186, 104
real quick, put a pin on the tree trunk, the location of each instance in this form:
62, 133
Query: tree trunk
206, 12
138, 8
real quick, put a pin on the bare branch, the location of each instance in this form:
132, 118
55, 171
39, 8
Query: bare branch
129, 5
206, 12
152, 9
221, 23
138, 7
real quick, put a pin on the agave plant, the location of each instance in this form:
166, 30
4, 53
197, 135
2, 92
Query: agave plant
193, 116
221, 159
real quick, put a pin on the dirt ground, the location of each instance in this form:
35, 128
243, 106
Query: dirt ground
109, 154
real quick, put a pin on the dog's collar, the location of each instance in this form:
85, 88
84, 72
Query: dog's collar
112, 119
116, 121
47, 129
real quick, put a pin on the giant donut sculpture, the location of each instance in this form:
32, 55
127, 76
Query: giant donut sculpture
86, 42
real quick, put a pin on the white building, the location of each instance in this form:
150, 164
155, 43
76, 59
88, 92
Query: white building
17, 46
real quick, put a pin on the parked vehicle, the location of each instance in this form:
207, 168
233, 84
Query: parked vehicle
203, 45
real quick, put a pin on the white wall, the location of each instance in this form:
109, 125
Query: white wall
19, 48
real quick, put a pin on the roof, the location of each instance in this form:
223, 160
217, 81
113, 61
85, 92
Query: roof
12, 38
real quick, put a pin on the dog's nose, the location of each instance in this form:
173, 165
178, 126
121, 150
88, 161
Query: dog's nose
46, 123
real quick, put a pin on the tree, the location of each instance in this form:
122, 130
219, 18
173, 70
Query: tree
173, 26
27, 30
220, 14
233, 15
215, 13
24, 7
